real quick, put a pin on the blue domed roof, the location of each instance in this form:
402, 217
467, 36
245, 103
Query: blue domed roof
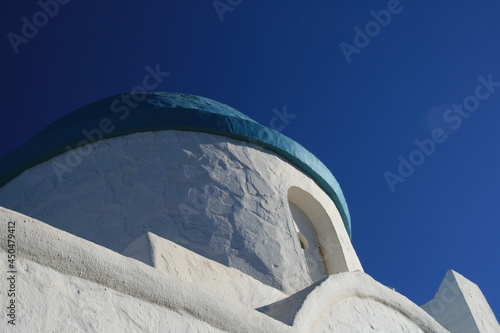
129, 113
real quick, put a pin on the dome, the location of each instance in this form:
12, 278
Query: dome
159, 111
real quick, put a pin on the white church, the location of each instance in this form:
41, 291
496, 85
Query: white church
164, 212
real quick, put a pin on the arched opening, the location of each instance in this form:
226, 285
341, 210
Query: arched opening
316, 235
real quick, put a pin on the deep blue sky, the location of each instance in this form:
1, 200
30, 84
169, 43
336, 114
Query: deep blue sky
357, 117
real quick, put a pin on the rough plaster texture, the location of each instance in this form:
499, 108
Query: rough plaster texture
177, 261
49, 301
68, 284
221, 198
460, 306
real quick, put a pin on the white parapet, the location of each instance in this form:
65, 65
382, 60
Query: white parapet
64, 283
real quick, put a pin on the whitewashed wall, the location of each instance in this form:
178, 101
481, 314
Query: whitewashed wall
224, 199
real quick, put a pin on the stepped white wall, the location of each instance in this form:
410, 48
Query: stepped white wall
67, 284
174, 260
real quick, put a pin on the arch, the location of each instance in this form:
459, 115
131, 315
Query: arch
332, 254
